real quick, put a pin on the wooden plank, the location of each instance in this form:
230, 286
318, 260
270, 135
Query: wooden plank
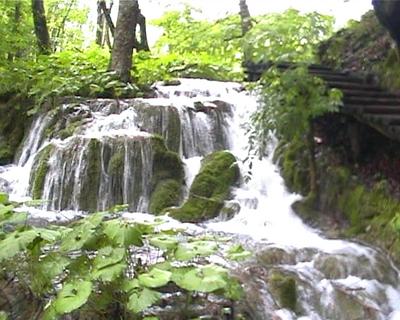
355, 86
371, 101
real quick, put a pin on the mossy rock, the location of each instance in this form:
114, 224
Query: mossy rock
39, 172
167, 194
283, 288
294, 166
306, 207
6, 154
90, 185
166, 164
197, 210
116, 163
210, 188
13, 122
168, 177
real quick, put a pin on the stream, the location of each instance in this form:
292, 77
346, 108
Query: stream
334, 279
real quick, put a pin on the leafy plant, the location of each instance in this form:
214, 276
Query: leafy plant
106, 259
288, 36
290, 101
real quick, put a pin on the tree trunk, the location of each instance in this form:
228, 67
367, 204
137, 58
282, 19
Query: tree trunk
41, 31
143, 44
107, 15
17, 23
124, 40
245, 17
246, 23
100, 25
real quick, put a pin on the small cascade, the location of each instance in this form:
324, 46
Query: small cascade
90, 175
34, 139
123, 151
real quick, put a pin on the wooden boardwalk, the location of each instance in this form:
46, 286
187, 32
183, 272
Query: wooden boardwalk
362, 100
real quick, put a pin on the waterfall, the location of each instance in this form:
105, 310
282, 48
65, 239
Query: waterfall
112, 160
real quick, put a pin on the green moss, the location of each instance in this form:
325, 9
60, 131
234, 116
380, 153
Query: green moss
306, 207
294, 165
13, 122
69, 130
197, 209
91, 181
166, 164
166, 194
116, 163
168, 177
389, 71
218, 173
283, 288
39, 172
210, 188
6, 154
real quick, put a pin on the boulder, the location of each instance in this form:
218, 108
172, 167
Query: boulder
210, 188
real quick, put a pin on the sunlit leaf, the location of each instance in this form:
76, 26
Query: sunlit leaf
72, 296
142, 299
155, 278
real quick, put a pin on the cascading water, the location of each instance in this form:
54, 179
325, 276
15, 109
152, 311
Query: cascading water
110, 161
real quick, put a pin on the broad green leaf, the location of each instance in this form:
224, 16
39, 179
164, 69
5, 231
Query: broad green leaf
48, 235
142, 299
109, 264
237, 253
163, 241
72, 296
123, 233
14, 219
129, 284
203, 279
3, 315
81, 233
5, 211
16, 242
190, 250
4, 198
155, 278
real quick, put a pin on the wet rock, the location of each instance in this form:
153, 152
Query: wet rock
230, 209
162, 120
13, 123
283, 288
39, 172
276, 256
210, 188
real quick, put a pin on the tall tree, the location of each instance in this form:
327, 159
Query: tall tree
245, 17
100, 25
124, 39
143, 43
41, 30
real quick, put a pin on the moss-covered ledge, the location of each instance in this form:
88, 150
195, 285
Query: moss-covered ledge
346, 206
168, 177
210, 188
13, 123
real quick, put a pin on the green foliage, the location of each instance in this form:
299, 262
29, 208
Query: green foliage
65, 21
63, 74
99, 258
288, 36
17, 38
72, 296
200, 48
290, 100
